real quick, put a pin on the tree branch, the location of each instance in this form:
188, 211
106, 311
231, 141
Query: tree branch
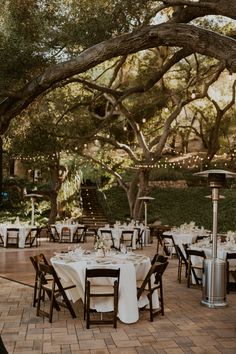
192, 38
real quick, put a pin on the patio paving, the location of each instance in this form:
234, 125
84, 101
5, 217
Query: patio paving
186, 327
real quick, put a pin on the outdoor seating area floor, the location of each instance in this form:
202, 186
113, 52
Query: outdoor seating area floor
186, 327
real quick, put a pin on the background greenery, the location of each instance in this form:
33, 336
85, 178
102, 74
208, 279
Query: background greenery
171, 206
174, 206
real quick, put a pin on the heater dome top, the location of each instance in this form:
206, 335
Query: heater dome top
206, 173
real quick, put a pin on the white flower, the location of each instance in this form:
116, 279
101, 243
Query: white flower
101, 244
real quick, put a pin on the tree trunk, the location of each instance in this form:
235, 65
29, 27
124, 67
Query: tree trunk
140, 181
53, 210
58, 175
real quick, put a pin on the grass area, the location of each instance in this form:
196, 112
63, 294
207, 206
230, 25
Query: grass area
175, 206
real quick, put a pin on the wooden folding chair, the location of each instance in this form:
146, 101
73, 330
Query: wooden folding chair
195, 270
65, 234
96, 291
1, 241
32, 237
80, 234
12, 237
106, 234
53, 234
230, 270
182, 261
35, 260
127, 237
169, 245
53, 289
148, 287
139, 238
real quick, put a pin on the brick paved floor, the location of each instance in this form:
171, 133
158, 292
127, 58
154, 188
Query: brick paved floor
187, 326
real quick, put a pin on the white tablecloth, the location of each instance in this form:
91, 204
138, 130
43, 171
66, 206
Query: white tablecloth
181, 238
132, 268
222, 249
23, 232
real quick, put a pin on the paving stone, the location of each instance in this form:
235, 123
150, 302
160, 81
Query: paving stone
187, 326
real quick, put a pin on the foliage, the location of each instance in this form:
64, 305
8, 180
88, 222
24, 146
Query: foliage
174, 206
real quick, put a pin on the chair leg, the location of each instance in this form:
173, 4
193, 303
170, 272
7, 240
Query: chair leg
115, 305
39, 298
68, 304
35, 292
150, 302
51, 305
85, 303
88, 308
161, 298
189, 275
179, 271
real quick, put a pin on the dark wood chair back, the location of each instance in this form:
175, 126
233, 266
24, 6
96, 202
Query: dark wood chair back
32, 237
65, 234
168, 244
12, 237
194, 270
80, 234
182, 261
107, 235
127, 237
230, 285
90, 292
53, 234
148, 287
35, 260
139, 238
53, 289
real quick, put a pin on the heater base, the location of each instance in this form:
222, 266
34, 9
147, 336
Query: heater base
214, 305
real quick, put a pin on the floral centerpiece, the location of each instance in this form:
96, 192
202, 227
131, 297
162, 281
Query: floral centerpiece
101, 245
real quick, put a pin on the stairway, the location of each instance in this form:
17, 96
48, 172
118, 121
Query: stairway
93, 215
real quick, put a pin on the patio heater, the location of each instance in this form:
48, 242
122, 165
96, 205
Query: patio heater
146, 200
214, 275
33, 197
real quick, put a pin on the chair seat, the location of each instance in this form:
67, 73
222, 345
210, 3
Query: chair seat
198, 266
101, 289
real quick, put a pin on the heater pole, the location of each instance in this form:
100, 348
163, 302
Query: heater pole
215, 198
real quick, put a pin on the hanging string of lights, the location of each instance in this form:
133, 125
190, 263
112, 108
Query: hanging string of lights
179, 160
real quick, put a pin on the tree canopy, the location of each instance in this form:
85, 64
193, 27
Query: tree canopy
68, 40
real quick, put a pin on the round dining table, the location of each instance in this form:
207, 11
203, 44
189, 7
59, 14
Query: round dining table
116, 231
71, 227
222, 249
23, 230
133, 267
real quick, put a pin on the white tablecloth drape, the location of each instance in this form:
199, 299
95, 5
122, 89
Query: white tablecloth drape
117, 231
222, 249
132, 268
181, 238
23, 232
